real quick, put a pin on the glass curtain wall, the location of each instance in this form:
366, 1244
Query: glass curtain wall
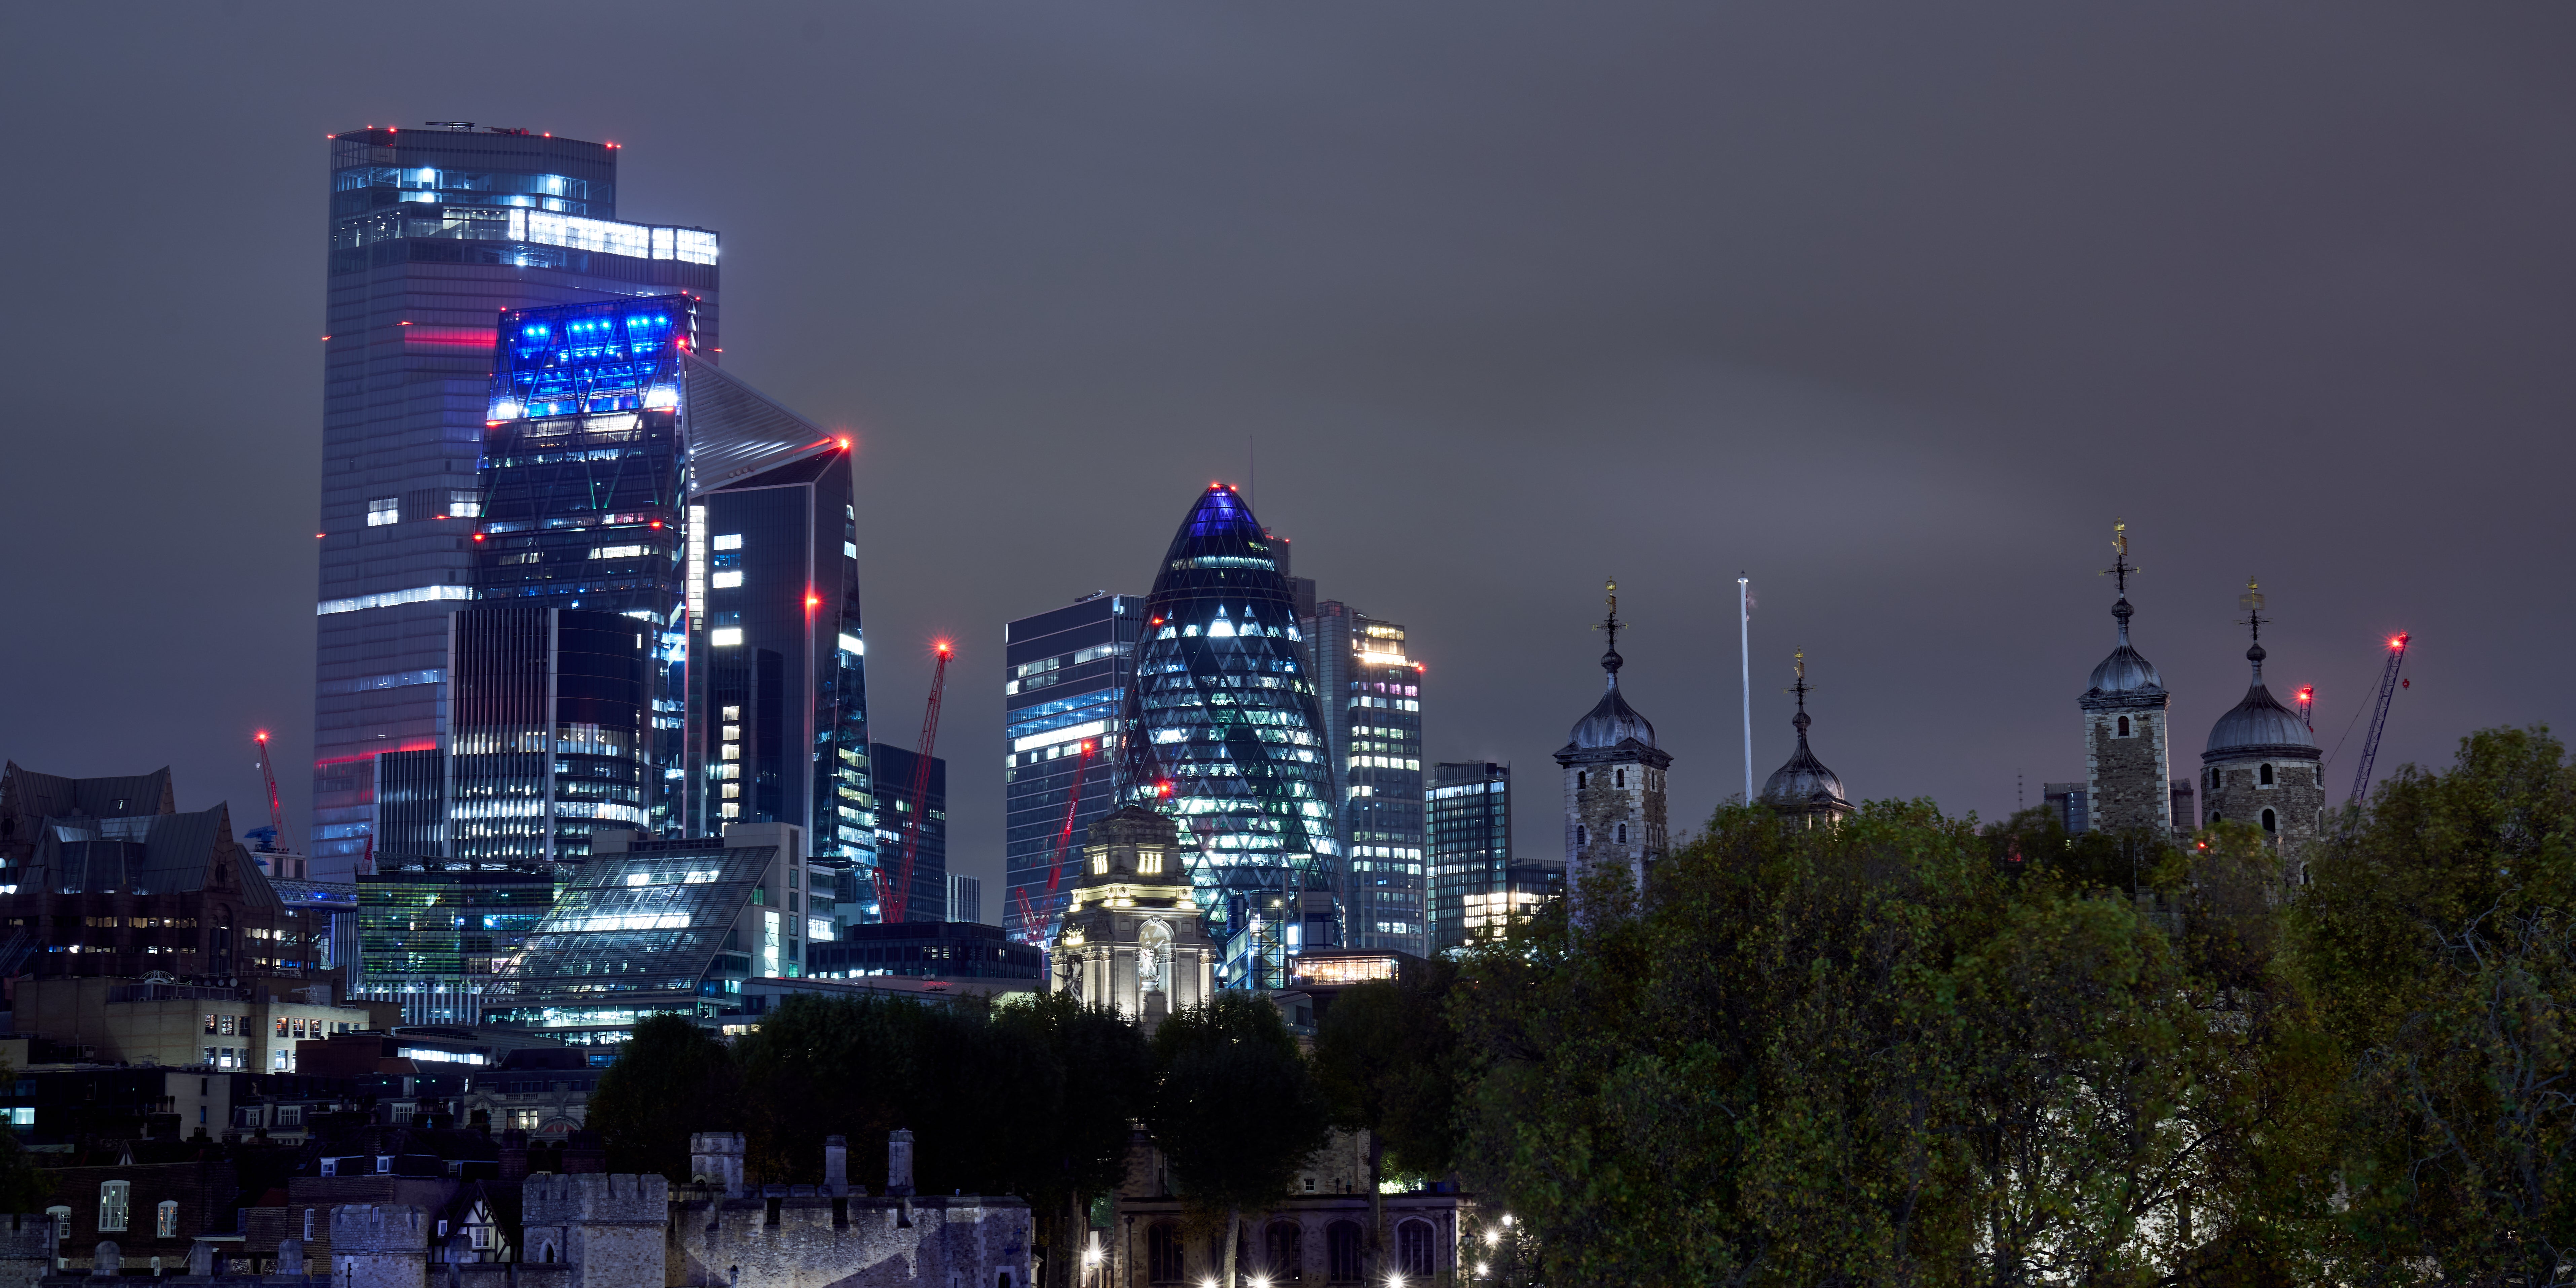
1065, 677
1224, 733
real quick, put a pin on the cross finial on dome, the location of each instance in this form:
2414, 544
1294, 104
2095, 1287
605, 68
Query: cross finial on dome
1800, 688
1610, 659
2120, 566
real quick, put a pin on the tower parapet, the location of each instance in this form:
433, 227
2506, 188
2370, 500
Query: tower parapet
376, 1246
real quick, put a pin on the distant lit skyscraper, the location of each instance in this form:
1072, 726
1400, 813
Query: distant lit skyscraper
1470, 839
432, 234
1065, 677
1222, 731
966, 898
1370, 693
928, 900
550, 710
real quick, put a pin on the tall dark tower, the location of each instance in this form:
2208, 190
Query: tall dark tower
1614, 781
1804, 789
433, 233
1222, 732
2127, 758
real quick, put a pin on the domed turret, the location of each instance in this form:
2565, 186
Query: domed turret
2262, 766
2127, 760
1614, 781
2259, 724
1804, 787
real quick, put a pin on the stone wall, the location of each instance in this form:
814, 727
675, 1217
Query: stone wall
379, 1247
1601, 797
797, 1237
26, 1249
611, 1227
2128, 776
2235, 791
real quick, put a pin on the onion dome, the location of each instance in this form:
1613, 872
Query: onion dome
2260, 725
1804, 783
1611, 721
2124, 678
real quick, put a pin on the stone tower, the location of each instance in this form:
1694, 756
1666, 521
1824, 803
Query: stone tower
1132, 936
1614, 782
1803, 790
379, 1247
2262, 766
2127, 757
608, 1227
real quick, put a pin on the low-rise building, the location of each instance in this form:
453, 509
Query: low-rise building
250, 1027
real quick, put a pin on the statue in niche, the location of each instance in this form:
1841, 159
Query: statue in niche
1153, 955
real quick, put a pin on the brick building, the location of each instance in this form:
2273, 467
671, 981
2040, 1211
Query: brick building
105, 877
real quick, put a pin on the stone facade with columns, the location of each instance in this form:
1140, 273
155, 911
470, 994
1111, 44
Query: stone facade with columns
1132, 936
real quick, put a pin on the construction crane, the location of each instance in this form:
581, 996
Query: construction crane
276, 810
1030, 932
2388, 683
2307, 700
891, 903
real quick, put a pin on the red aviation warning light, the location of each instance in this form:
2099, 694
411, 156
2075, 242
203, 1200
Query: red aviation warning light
2307, 701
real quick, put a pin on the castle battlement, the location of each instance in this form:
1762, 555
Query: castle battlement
592, 1198
357, 1227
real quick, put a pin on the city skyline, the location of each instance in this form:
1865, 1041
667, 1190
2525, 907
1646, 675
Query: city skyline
1910, 405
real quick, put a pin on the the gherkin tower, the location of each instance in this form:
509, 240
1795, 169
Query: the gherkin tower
1223, 732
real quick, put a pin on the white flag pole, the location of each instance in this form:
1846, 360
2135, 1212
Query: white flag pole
1744, 655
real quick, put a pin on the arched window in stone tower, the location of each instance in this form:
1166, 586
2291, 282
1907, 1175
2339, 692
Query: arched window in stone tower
2267, 775
2270, 823
1619, 779
1580, 779
2124, 726
1623, 834
1581, 837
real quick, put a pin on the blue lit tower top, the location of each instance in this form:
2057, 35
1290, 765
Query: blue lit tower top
1223, 731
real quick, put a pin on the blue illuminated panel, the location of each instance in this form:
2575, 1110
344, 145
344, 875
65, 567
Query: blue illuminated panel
589, 358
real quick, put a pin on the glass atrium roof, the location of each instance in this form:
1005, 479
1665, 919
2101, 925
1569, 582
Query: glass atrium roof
645, 921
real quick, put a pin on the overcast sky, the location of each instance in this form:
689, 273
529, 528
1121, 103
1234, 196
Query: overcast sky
1896, 307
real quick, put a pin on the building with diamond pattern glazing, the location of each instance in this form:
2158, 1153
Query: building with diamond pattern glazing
1223, 732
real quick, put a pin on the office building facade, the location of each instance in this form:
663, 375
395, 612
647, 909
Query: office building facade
432, 934
1469, 836
926, 898
1223, 733
433, 233
1066, 676
1370, 693
966, 899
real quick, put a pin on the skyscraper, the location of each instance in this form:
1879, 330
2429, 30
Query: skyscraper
549, 713
1065, 677
432, 234
1469, 836
1223, 732
1370, 694
927, 899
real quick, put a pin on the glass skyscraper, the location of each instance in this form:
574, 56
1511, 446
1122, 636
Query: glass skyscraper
1370, 693
433, 233
1223, 732
1065, 676
895, 766
1470, 839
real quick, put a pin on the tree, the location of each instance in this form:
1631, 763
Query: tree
1235, 1110
1386, 1061
1890, 1051
1106, 1072
2436, 943
671, 1079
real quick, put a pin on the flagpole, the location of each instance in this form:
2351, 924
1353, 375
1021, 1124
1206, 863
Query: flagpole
1744, 655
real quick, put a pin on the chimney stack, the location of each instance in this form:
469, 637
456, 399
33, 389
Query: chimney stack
899, 1162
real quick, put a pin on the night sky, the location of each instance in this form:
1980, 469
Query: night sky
1895, 307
